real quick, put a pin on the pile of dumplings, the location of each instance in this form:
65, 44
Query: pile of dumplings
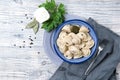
75, 45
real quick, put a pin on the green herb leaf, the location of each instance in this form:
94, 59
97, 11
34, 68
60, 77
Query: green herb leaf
35, 28
56, 12
61, 9
31, 24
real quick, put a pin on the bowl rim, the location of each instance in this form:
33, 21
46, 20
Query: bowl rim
71, 60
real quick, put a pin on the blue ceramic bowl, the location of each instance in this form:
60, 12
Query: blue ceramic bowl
76, 22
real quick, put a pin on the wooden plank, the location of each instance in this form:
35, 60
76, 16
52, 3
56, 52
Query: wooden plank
25, 63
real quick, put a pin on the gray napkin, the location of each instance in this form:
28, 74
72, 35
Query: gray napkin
105, 65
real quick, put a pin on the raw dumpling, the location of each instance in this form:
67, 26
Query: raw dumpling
68, 55
82, 45
60, 42
75, 39
89, 44
67, 28
74, 50
61, 45
78, 55
78, 46
82, 35
62, 34
67, 40
88, 37
63, 49
72, 34
86, 52
84, 29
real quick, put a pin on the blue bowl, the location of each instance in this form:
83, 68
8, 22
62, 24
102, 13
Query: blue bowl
76, 22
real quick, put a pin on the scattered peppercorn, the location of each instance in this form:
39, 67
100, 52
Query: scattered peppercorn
31, 43
25, 14
30, 39
38, 52
14, 44
21, 21
22, 29
20, 47
23, 41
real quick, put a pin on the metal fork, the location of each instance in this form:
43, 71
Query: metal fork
100, 48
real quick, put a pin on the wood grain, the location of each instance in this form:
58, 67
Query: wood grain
19, 63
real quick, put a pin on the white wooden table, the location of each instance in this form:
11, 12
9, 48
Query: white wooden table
22, 60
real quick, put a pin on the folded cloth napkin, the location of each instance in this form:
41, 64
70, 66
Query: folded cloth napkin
104, 67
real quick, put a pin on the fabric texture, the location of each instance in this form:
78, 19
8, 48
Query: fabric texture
105, 65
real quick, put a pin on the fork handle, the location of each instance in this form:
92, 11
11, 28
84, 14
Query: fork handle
87, 71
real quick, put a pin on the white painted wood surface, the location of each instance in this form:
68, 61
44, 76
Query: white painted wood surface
25, 63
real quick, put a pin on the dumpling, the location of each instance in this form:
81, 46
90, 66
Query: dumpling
73, 49
62, 34
60, 42
86, 52
63, 49
79, 55
61, 45
88, 37
83, 29
77, 45
68, 55
82, 35
90, 44
82, 45
75, 39
72, 34
67, 40
67, 28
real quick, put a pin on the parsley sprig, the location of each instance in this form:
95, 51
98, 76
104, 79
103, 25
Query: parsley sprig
56, 12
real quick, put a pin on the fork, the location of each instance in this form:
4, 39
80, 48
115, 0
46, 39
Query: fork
100, 48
